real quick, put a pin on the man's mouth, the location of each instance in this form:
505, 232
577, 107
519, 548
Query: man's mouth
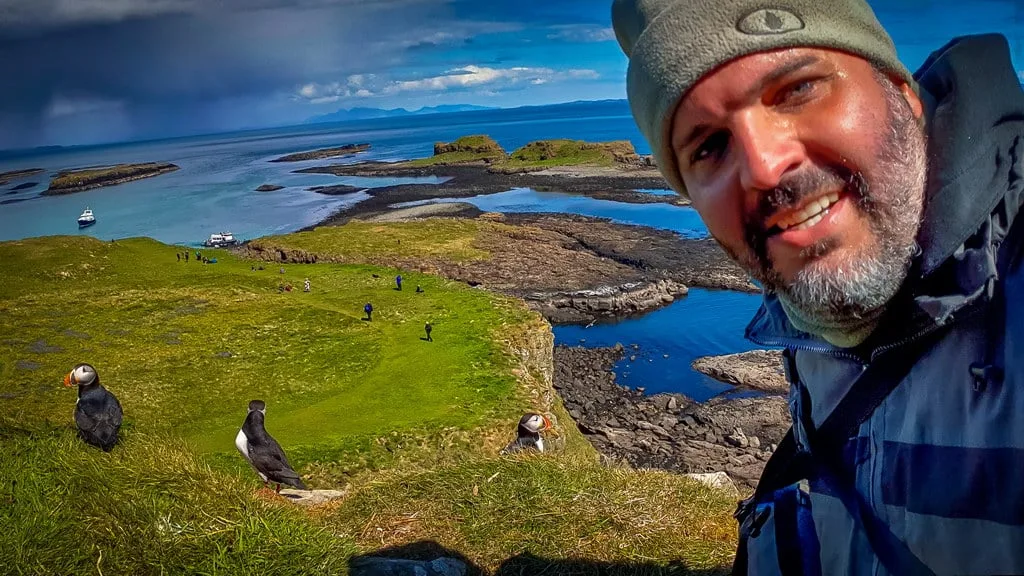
808, 215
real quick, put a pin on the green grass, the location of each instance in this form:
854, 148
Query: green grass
549, 153
452, 239
472, 148
145, 508
186, 346
409, 429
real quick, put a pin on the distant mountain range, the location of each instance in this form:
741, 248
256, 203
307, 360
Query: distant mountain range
372, 113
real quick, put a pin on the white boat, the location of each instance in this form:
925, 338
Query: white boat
86, 219
221, 239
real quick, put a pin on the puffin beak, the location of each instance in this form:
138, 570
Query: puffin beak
69, 379
547, 423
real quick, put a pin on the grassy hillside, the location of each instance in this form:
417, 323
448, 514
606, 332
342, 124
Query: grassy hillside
410, 429
473, 148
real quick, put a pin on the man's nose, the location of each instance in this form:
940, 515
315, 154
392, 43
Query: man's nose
768, 148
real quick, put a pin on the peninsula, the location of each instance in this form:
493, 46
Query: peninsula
340, 151
71, 181
6, 177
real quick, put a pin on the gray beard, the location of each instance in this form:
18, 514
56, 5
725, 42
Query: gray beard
857, 292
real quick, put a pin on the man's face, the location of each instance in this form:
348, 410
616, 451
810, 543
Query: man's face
809, 168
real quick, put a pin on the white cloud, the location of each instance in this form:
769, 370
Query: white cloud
465, 77
581, 33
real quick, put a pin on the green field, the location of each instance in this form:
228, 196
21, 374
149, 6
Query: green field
409, 428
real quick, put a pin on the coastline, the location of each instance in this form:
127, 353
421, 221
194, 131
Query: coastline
634, 269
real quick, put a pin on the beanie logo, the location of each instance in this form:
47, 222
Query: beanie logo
769, 21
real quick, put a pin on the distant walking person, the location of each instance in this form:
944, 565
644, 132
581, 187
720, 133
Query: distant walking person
305, 285
398, 281
186, 255
369, 311
178, 256
428, 328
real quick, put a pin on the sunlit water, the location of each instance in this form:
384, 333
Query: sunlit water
214, 191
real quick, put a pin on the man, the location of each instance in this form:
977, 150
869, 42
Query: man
877, 210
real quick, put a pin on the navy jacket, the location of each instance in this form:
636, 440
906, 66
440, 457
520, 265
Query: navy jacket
940, 462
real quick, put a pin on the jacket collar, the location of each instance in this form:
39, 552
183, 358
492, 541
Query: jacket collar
974, 110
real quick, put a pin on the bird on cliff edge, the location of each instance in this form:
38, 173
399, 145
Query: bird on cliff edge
528, 434
263, 452
98, 414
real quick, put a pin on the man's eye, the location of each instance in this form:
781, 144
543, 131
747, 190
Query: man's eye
796, 91
712, 147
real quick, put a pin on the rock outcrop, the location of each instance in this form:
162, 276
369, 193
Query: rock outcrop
758, 369
667, 431
340, 151
607, 301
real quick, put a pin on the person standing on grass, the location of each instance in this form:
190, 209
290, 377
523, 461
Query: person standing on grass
369, 311
880, 212
398, 281
428, 328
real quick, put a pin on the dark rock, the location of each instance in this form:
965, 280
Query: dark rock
268, 187
628, 427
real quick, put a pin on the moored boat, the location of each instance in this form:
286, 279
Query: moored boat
87, 218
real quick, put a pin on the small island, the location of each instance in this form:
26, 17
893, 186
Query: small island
341, 151
71, 181
268, 188
6, 177
476, 164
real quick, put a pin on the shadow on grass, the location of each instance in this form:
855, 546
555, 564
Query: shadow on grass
419, 554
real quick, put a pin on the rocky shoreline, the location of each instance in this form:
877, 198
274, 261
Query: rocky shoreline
570, 268
466, 180
667, 431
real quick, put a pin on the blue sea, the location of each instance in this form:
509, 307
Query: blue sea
214, 191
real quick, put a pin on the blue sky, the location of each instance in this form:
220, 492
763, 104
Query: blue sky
86, 71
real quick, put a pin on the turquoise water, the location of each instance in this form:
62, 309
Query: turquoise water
214, 191
681, 219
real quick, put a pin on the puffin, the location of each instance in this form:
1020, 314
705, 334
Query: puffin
98, 414
528, 434
263, 452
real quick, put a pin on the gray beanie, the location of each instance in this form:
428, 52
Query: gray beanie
671, 44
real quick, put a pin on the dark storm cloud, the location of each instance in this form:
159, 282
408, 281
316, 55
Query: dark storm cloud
143, 68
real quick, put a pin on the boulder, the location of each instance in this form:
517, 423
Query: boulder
717, 480
757, 369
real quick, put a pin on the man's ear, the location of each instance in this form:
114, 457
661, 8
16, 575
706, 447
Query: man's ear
916, 106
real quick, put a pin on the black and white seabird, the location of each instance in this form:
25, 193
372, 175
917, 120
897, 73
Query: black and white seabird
528, 434
263, 452
98, 414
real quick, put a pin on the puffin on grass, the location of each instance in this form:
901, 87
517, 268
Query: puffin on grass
263, 452
528, 434
98, 414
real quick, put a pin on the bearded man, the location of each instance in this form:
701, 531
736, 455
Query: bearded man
877, 210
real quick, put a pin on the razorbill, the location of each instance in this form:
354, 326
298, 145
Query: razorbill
97, 412
263, 452
528, 434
